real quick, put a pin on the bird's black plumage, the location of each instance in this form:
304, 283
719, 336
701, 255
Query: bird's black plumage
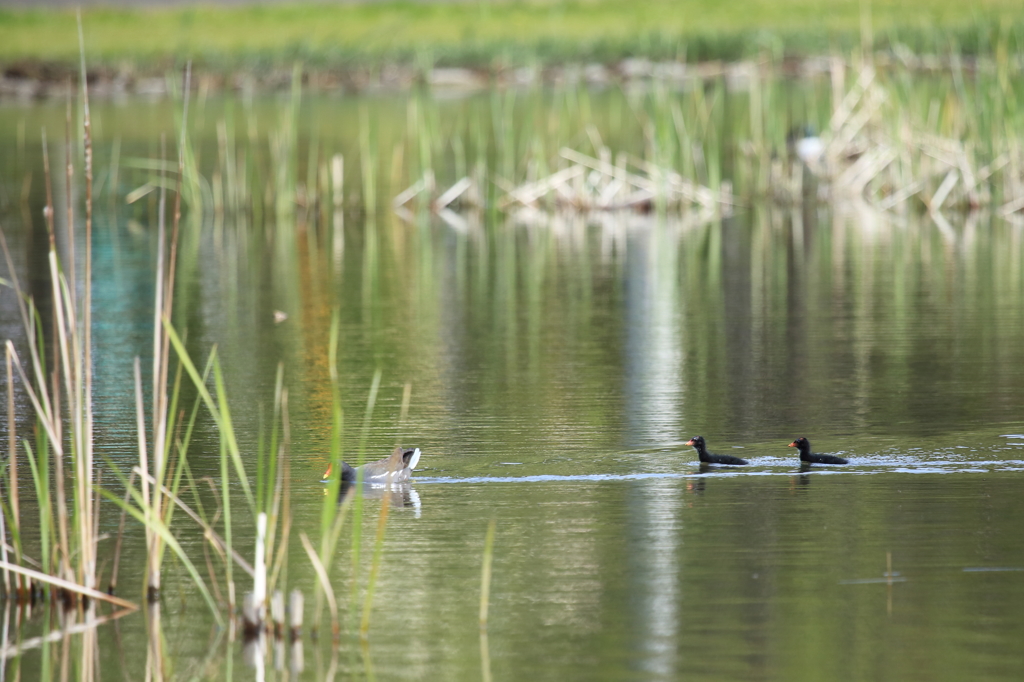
804, 446
709, 458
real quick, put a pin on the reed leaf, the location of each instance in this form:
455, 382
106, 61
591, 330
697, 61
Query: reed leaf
222, 420
158, 527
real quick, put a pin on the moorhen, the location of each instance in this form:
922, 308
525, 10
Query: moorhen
804, 446
398, 467
708, 458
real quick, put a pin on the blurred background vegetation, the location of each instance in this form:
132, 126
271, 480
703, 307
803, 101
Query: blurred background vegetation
492, 35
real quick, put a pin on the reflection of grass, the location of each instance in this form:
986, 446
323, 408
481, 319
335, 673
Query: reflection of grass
474, 33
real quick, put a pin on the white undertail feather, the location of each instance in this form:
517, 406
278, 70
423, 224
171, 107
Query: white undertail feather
415, 459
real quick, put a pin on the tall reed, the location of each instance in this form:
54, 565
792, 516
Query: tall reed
71, 379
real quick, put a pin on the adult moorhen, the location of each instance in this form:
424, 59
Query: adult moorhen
394, 469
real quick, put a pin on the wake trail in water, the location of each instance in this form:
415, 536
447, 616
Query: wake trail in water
756, 468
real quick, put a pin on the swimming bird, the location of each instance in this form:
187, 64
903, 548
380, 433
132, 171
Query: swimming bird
804, 446
397, 468
805, 144
708, 458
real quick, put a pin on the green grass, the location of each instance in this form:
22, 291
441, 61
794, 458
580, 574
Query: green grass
494, 34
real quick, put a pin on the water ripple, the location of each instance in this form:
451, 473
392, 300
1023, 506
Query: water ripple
758, 469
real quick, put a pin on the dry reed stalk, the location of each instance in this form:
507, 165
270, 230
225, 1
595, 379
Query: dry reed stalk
211, 572
112, 585
409, 193
596, 184
160, 415
3, 552
1012, 206
89, 519
162, 307
148, 510
452, 193
529, 194
848, 103
69, 173
12, 478
208, 531
95, 531
141, 511
325, 583
855, 178
168, 298
948, 183
68, 585
901, 195
53, 415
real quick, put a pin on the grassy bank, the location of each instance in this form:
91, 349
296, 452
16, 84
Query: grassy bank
497, 34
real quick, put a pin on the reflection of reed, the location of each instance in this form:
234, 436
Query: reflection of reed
155, 659
485, 657
364, 650
68, 627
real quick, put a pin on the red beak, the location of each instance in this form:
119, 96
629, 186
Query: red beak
327, 474
689, 442
792, 445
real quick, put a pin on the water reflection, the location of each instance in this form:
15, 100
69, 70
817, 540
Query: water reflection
398, 495
655, 334
654, 400
76, 630
583, 349
655, 569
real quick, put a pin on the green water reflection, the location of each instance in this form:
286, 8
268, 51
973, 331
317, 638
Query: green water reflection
542, 352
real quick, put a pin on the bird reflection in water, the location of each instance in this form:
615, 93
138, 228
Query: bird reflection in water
802, 479
696, 485
397, 494
707, 468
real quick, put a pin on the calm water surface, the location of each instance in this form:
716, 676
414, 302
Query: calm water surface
557, 370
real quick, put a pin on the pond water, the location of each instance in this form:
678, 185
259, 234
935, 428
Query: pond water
557, 370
